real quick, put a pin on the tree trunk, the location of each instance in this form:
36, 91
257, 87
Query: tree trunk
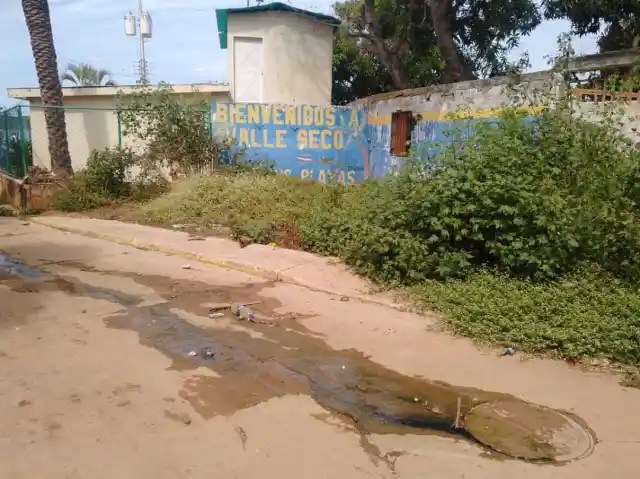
387, 56
442, 17
36, 14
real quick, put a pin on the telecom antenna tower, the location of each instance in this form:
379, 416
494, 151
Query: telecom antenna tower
140, 26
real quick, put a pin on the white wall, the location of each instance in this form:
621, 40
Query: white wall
297, 55
87, 129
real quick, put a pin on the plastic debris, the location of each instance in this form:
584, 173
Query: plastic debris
216, 315
219, 306
344, 299
186, 266
244, 241
207, 353
192, 354
508, 352
242, 311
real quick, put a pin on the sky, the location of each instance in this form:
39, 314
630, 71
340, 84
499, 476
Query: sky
184, 47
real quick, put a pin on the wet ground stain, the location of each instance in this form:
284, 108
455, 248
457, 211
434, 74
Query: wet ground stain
284, 358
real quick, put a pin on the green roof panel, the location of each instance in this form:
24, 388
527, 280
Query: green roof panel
222, 16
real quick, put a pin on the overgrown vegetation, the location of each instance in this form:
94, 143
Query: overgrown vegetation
588, 313
177, 141
108, 179
177, 134
263, 206
524, 232
530, 198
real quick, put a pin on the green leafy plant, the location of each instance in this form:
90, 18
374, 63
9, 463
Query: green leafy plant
177, 134
107, 179
587, 314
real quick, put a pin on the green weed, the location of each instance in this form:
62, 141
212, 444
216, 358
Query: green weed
587, 314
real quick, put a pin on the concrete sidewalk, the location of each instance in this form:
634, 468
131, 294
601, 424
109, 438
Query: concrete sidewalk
278, 264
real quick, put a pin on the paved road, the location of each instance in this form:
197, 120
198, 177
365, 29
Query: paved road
97, 379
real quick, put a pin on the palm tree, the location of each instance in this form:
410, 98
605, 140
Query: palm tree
86, 75
36, 14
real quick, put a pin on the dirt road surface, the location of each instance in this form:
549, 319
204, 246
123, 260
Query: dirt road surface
111, 367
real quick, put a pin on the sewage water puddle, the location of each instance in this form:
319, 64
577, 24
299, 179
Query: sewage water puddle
283, 358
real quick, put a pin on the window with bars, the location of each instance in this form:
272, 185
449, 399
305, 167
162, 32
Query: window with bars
401, 126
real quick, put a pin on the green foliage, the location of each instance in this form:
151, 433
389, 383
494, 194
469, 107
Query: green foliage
84, 74
524, 231
105, 180
7, 210
357, 72
260, 205
533, 198
177, 134
587, 314
617, 21
107, 171
398, 48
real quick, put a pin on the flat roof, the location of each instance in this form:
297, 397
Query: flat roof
27, 93
222, 16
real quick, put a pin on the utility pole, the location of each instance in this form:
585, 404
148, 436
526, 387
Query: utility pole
141, 26
143, 60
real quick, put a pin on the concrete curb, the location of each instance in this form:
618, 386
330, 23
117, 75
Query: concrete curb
271, 275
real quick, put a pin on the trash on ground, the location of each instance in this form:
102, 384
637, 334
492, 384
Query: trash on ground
244, 241
186, 266
508, 352
216, 315
344, 298
219, 306
192, 354
196, 238
207, 353
242, 311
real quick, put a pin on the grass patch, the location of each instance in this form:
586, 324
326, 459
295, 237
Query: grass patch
265, 207
588, 314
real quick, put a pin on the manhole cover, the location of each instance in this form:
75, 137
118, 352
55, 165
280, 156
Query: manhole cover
530, 432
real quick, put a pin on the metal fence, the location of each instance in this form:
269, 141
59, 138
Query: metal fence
15, 142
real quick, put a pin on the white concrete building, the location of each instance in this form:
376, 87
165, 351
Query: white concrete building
278, 54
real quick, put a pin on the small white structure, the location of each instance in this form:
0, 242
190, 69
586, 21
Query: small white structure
278, 54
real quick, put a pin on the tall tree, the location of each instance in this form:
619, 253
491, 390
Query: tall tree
38, 19
617, 21
357, 72
84, 74
450, 40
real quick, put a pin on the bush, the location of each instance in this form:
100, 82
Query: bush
107, 179
532, 198
177, 134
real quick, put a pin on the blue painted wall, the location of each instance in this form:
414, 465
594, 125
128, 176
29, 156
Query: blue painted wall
326, 144
320, 143
427, 137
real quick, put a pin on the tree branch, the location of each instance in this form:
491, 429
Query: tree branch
360, 35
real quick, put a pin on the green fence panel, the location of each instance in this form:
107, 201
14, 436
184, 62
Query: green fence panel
15, 142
